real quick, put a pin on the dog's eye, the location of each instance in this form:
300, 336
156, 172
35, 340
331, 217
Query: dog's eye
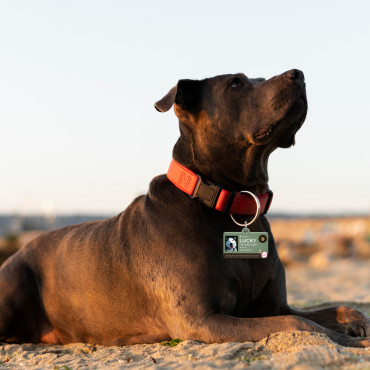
236, 82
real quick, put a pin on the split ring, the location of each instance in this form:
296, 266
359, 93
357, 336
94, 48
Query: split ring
257, 212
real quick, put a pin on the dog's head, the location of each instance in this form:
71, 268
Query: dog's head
224, 118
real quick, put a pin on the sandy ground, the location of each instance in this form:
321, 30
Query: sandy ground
343, 280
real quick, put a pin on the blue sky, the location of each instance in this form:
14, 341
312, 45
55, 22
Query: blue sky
78, 80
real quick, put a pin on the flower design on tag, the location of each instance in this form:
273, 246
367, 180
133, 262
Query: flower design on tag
264, 255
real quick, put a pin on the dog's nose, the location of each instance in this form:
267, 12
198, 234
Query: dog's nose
295, 74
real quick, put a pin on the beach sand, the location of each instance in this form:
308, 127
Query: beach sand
344, 281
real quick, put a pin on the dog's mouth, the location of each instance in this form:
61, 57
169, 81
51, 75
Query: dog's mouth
265, 133
289, 124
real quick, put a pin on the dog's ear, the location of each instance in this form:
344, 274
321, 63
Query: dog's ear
186, 94
167, 101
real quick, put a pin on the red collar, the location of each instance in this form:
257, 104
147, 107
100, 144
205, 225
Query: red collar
213, 195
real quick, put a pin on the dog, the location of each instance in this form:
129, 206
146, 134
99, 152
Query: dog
156, 271
231, 245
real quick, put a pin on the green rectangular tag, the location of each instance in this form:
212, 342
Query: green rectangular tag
245, 244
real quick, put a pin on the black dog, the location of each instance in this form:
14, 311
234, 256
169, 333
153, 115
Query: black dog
156, 271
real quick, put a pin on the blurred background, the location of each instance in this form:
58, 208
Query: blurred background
80, 137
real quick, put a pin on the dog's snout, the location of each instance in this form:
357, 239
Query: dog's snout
295, 74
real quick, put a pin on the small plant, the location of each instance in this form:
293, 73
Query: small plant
171, 343
251, 359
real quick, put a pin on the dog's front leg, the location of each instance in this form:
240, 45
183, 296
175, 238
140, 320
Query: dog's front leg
216, 328
341, 319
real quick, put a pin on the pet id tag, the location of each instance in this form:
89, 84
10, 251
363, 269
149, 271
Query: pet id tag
246, 243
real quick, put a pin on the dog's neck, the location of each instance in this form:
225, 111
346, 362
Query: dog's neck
244, 171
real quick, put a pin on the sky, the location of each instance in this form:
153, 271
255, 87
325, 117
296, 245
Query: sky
78, 80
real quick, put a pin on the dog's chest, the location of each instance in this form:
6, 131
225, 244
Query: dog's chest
247, 281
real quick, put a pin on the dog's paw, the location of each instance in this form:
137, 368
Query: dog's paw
352, 322
348, 341
357, 342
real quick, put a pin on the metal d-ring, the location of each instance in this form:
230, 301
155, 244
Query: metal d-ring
257, 212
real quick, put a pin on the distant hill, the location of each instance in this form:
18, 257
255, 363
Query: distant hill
16, 224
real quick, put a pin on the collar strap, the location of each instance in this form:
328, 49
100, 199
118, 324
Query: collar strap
213, 195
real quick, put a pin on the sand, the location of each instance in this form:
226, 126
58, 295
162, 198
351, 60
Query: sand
346, 281
293, 350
